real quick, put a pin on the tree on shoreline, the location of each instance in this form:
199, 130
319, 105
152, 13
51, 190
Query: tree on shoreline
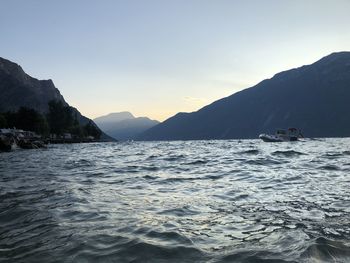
60, 117
92, 130
26, 119
3, 122
59, 120
31, 120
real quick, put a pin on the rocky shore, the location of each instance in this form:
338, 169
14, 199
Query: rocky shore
12, 139
9, 143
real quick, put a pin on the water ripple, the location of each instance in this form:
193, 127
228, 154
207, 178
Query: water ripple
192, 201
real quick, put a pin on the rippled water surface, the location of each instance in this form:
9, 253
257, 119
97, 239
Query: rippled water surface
195, 201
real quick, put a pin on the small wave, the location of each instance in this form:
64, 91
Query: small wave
125, 170
326, 250
149, 177
179, 202
334, 154
183, 211
289, 153
262, 162
173, 158
152, 157
150, 168
79, 163
214, 176
329, 167
168, 237
255, 256
252, 151
140, 251
14, 215
197, 162
178, 179
240, 197
293, 178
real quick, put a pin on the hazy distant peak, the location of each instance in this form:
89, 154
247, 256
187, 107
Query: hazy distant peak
145, 118
123, 125
115, 117
138, 120
122, 114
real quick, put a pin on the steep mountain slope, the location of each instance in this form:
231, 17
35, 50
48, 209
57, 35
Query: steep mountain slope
123, 125
314, 98
18, 89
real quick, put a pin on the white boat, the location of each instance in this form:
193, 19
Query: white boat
292, 134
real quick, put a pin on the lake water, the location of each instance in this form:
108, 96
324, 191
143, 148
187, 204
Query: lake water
194, 201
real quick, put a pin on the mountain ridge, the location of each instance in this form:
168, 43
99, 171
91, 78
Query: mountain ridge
284, 100
124, 125
115, 116
18, 89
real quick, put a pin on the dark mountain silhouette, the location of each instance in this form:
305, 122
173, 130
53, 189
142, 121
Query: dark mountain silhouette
314, 98
123, 125
18, 89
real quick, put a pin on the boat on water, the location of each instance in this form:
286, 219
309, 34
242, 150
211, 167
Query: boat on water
290, 135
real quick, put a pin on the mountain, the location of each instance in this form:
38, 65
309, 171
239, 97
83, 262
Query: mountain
18, 89
114, 117
314, 98
123, 125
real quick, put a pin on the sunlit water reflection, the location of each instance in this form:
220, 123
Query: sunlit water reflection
194, 201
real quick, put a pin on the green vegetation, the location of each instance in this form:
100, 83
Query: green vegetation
3, 122
59, 120
26, 119
60, 117
92, 130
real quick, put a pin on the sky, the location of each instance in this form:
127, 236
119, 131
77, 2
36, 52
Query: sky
158, 57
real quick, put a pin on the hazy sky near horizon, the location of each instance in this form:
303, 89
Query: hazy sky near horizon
159, 57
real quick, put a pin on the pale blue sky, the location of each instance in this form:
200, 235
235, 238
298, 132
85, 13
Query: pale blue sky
159, 57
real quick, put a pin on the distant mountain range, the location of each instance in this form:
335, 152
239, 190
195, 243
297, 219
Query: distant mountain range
18, 89
123, 125
314, 98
